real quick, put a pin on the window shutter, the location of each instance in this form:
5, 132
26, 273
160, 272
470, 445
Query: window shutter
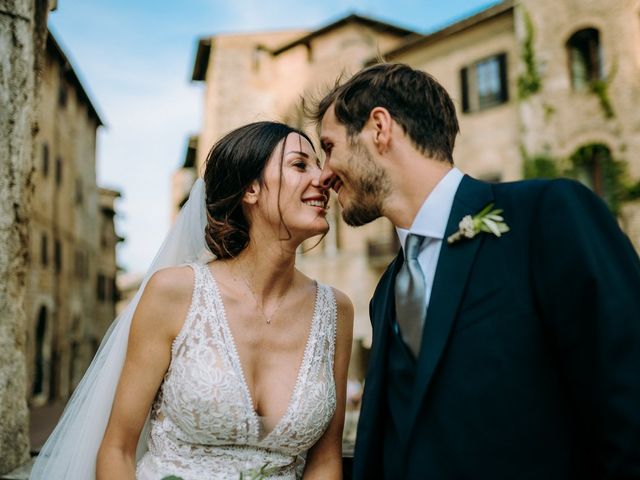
504, 79
464, 88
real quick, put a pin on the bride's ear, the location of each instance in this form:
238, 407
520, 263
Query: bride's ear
251, 193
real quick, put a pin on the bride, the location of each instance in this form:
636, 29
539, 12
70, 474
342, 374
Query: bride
233, 368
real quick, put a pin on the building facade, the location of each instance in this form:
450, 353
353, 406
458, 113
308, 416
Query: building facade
545, 89
71, 295
542, 88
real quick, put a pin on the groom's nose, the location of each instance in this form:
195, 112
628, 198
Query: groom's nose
327, 177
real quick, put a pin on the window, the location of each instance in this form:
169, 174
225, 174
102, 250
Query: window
484, 83
44, 250
58, 171
45, 160
585, 58
57, 255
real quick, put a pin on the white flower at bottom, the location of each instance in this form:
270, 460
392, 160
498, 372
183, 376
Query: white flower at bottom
467, 227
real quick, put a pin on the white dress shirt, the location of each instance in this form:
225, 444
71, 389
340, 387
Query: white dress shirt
431, 223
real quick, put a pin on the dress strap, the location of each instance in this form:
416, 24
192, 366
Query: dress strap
198, 302
328, 312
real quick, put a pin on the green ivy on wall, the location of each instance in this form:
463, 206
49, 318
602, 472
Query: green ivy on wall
611, 173
540, 166
585, 164
600, 88
529, 82
633, 192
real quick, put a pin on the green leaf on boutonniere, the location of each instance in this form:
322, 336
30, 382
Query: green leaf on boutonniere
487, 220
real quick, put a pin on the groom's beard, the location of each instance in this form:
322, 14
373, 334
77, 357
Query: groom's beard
368, 185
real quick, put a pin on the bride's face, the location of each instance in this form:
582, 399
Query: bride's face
291, 194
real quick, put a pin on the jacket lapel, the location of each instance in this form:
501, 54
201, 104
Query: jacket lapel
369, 436
454, 265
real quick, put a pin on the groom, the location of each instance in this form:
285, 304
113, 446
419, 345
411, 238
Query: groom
506, 344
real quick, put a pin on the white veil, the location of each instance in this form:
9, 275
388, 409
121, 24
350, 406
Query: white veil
70, 452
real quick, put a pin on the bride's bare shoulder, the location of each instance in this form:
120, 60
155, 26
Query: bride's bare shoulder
165, 300
172, 283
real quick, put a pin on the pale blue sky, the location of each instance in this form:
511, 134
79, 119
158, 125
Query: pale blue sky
135, 57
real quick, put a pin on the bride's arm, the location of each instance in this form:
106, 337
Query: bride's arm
325, 457
157, 320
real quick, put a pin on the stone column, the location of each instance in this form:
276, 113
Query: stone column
22, 41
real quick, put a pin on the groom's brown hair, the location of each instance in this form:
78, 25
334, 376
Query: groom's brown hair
415, 100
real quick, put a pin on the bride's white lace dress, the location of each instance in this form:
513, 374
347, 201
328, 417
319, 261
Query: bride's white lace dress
203, 425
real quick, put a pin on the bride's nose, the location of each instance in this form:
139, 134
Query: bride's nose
316, 182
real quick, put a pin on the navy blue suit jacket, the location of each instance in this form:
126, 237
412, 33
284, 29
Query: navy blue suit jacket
530, 359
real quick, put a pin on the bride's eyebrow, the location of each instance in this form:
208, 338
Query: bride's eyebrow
302, 154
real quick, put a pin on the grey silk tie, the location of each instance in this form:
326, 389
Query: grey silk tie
410, 295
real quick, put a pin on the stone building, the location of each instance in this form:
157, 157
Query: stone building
545, 88
542, 88
71, 294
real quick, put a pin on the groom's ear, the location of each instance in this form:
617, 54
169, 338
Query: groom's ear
381, 125
251, 193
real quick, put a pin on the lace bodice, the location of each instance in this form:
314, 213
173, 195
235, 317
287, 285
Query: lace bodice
203, 424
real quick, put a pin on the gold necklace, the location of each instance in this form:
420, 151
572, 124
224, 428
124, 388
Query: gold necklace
281, 298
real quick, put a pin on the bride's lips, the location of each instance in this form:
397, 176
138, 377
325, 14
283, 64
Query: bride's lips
317, 201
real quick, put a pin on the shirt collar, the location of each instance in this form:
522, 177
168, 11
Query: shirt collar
431, 220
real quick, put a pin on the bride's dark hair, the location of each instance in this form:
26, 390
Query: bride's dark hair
235, 161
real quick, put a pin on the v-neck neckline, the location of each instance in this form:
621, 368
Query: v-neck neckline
235, 359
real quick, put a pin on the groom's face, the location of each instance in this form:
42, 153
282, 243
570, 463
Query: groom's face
351, 170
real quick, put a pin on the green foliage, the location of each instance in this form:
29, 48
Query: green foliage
600, 88
172, 477
549, 111
614, 186
529, 82
612, 173
540, 166
633, 191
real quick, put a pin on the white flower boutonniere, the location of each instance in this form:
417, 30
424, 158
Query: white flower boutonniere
487, 220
